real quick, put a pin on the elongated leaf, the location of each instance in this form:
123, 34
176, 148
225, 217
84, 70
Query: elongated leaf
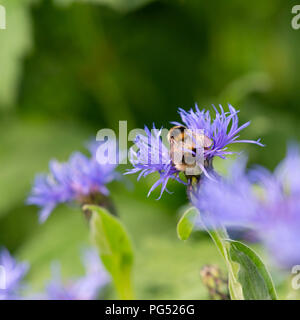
186, 223
248, 276
255, 279
114, 247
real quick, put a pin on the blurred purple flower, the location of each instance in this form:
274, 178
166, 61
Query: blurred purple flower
86, 287
267, 203
74, 180
12, 273
223, 129
153, 156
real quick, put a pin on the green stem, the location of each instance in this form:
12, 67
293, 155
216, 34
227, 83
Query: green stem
219, 235
235, 288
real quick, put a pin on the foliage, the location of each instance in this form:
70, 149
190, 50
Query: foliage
115, 249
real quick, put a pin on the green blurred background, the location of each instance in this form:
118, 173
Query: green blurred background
69, 68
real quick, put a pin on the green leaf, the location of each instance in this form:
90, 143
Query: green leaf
248, 276
186, 223
114, 247
255, 279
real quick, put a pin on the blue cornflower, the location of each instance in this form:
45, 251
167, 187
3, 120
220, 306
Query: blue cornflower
82, 179
154, 156
268, 203
223, 130
11, 273
86, 287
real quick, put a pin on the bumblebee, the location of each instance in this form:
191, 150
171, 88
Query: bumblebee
183, 147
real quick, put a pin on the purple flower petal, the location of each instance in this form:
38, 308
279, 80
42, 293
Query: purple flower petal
153, 156
223, 129
14, 273
69, 181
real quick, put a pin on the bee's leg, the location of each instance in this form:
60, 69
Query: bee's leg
189, 187
192, 183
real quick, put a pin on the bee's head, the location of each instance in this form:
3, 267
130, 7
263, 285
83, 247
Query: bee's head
177, 133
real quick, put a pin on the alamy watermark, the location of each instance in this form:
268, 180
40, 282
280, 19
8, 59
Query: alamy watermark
2, 17
296, 277
296, 19
184, 147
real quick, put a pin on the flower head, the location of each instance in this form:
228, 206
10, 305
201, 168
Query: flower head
224, 129
79, 179
153, 156
86, 287
11, 275
268, 203
197, 133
